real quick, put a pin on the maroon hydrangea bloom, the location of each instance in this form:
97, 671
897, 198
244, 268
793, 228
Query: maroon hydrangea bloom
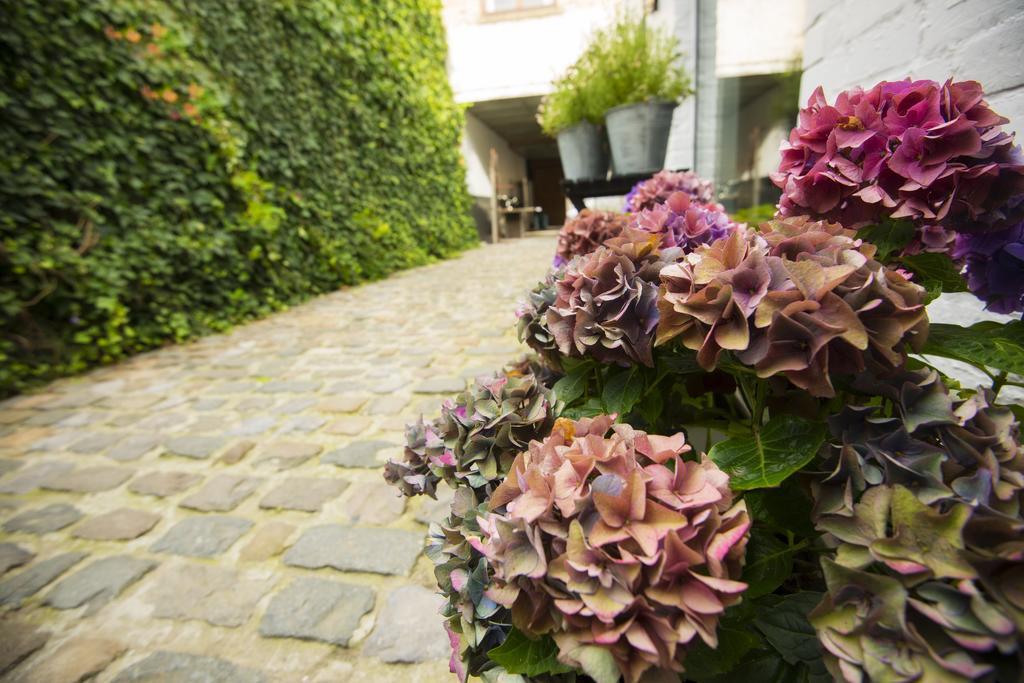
798, 298
649, 193
605, 304
586, 232
616, 543
995, 267
682, 222
906, 149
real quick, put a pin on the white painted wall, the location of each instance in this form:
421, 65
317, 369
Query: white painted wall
758, 37
477, 141
518, 57
861, 42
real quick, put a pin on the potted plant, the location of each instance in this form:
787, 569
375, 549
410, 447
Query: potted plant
638, 82
571, 115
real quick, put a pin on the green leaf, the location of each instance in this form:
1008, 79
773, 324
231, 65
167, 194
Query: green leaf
783, 509
786, 627
520, 655
889, 237
704, 663
767, 458
936, 272
572, 386
622, 391
985, 344
769, 563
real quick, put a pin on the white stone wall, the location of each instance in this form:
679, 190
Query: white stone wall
862, 42
851, 43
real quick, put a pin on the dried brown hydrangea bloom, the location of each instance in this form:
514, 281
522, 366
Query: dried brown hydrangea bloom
605, 304
586, 232
616, 543
800, 298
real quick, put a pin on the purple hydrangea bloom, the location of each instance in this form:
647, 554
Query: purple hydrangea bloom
682, 222
656, 190
995, 267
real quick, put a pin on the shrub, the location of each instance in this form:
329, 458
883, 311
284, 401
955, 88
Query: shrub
170, 168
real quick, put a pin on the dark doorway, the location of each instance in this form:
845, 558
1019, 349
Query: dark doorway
546, 175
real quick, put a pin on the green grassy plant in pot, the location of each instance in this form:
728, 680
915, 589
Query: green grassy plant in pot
639, 82
572, 116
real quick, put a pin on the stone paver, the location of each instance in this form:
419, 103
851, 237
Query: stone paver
307, 494
285, 455
199, 447
202, 536
76, 660
374, 503
302, 399
43, 520
163, 483
18, 639
122, 524
98, 583
13, 555
178, 667
357, 454
222, 493
29, 581
403, 633
357, 549
222, 597
317, 609
90, 479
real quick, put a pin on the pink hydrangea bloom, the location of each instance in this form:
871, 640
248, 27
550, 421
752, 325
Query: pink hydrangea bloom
907, 149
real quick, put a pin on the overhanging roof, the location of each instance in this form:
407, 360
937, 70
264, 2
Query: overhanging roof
515, 120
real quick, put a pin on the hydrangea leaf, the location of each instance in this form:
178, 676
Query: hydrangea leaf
572, 386
889, 236
935, 271
622, 391
706, 664
989, 343
786, 627
769, 563
520, 655
767, 458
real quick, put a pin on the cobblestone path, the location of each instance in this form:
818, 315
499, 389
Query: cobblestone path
216, 512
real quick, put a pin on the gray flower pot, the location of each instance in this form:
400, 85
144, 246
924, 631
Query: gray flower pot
638, 134
583, 152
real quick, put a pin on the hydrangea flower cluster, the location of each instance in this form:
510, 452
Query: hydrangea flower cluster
616, 543
605, 302
478, 434
804, 299
586, 232
531, 319
995, 266
656, 190
471, 448
905, 149
684, 223
923, 511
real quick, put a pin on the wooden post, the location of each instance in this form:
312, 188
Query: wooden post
494, 196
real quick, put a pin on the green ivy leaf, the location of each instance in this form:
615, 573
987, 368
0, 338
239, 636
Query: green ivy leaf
786, 627
520, 655
985, 344
767, 458
622, 391
889, 237
769, 563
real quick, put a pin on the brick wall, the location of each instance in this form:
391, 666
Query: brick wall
851, 43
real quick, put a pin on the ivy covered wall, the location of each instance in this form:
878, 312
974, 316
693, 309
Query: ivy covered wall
171, 167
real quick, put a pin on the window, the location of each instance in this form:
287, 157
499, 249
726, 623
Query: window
502, 6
